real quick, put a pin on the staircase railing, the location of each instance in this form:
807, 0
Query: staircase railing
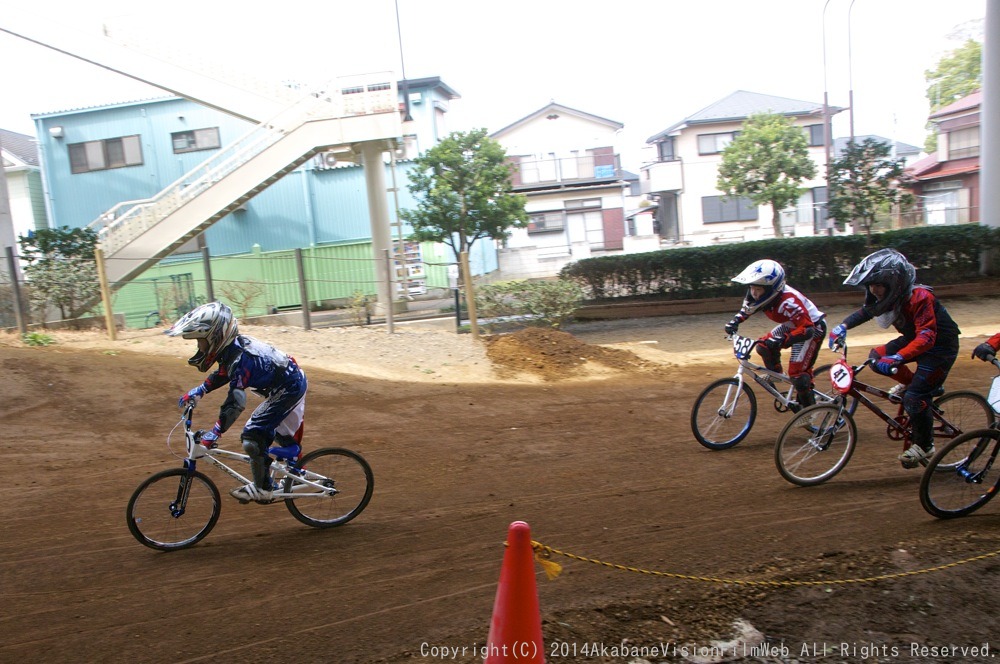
348, 96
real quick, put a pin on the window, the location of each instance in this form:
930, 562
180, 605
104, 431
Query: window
583, 203
716, 209
665, 149
102, 155
715, 143
963, 143
198, 139
546, 221
814, 134
585, 221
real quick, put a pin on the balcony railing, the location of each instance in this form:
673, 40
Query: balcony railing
587, 168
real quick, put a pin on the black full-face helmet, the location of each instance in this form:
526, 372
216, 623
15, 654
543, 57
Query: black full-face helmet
213, 325
766, 273
889, 268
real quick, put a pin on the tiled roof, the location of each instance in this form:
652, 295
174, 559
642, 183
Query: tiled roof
22, 147
741, 104
963, 104
930, 168
902, 149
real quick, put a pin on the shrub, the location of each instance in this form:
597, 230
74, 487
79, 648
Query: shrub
525, 302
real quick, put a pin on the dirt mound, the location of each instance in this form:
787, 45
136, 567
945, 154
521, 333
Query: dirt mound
554, 355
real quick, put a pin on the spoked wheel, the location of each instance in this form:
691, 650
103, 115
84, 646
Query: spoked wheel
963, 476
348, 477
723, 414
962, 411
815, 444
173, 509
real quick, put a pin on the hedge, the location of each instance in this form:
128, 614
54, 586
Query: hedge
941, 254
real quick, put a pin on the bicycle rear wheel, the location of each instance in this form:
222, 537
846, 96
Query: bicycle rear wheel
815, 444
961, 411
173, 509
722, 414
346, 475
963, 476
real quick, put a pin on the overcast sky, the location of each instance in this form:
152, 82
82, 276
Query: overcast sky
644, 63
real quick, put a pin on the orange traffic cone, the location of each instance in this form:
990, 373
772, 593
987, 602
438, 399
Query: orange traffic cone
516, 627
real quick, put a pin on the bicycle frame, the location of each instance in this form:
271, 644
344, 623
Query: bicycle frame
742, 348
305, 484
843, 377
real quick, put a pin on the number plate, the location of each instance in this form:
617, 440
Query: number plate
994, 397
742, 346
842, 376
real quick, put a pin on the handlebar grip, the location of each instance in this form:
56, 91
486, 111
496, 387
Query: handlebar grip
870, 362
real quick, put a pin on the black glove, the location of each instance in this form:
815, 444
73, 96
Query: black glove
983, 352
817, 332
774, 344
732, 326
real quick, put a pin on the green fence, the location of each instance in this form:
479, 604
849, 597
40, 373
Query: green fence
261, 283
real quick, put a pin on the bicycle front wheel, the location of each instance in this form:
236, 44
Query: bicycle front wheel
963, 476
815, 444
173, 509
348, 481
723, 414
961, 411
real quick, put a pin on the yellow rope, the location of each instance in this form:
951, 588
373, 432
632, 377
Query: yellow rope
543, 554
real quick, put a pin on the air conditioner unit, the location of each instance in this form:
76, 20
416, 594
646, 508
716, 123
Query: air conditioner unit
325, 160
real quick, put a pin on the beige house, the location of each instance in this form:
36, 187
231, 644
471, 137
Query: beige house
682, 180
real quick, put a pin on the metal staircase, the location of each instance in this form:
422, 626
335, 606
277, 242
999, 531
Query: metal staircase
134, 235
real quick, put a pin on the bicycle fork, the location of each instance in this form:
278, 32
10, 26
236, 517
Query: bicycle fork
733, 393
183, 490
976, 477
825, 430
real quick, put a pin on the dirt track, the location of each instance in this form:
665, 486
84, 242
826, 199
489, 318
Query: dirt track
604, 469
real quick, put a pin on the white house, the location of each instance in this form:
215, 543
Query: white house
25, 200
567, 164
682, 180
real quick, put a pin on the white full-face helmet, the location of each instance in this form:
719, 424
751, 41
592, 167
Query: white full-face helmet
213, 325
766, 273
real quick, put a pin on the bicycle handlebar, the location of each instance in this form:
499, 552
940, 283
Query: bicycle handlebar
870, 362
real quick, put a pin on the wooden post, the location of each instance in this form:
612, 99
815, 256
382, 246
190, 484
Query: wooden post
390, 283
303, 291
470, 295
109, 314
206, 262
15, 289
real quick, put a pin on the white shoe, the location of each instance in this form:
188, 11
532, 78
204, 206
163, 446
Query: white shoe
250, 492
915, 456
897, 391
